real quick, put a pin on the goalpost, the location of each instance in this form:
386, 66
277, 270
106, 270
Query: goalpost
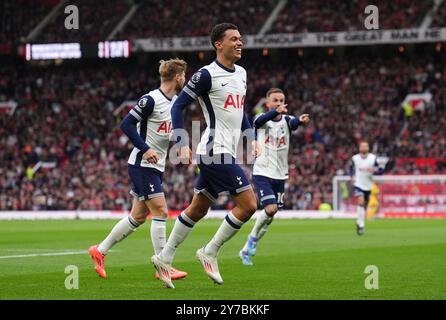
396, 196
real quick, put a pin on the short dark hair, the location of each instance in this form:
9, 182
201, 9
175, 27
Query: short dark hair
218, 32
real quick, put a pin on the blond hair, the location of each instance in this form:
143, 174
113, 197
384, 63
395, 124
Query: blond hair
170, 68
274, 90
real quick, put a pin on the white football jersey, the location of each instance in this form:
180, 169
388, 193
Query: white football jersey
274, 137
155, 130
221, 94
361, 167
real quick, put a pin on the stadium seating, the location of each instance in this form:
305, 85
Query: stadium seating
96, 20
65, 116
16, 23
439, 20
317, 16
171, 18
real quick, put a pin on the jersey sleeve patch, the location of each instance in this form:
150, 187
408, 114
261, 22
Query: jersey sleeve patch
142, 102
199, 84
143, 108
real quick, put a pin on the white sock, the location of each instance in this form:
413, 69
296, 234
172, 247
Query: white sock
264, 229
120, 231
260, 227
158, 233
182, 228
361, 216
229, 227
262, 220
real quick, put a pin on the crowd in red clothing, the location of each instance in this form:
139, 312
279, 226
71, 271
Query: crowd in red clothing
65, 117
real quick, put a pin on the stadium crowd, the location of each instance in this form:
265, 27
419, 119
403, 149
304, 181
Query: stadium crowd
173, 18
65, 116
169, 18
439, 19
317, 16
97, 19
16, 23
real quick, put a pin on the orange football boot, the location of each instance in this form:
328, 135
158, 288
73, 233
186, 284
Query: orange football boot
98, 260
175, 274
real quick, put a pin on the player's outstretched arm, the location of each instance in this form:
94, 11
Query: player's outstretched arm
270, 115
294, 122
264, 118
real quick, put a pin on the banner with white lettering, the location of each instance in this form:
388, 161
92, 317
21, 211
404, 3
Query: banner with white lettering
290, 40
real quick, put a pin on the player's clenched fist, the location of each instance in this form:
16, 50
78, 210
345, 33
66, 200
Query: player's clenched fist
151, 156
304, 118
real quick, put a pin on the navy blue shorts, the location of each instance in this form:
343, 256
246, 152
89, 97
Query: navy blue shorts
147, 183
220, 178
362, 193
269, 191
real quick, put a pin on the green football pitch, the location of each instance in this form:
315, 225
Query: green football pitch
297, 259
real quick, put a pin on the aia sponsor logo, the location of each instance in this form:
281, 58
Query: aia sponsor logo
275, 142
234, 101
165, 127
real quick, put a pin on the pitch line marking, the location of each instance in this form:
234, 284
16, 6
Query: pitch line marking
48, 250
48, 254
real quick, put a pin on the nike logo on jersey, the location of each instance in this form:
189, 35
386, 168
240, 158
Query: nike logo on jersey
223, 84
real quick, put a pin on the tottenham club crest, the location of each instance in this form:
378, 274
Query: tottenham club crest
142, 102
196, 77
